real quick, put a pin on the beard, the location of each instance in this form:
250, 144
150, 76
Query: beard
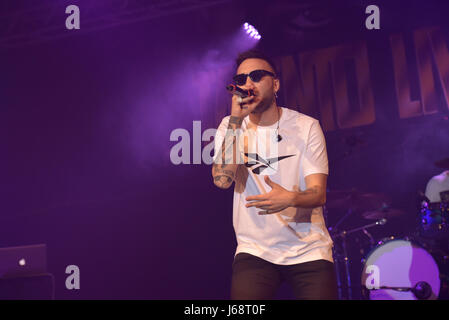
263, 105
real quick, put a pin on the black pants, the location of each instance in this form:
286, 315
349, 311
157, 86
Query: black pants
254, 278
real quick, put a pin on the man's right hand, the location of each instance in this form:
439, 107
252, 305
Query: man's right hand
242, 107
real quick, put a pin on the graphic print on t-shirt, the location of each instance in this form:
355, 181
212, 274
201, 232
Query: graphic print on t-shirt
260, 163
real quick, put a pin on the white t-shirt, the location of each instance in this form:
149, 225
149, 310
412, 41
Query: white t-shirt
436, 185
294, 235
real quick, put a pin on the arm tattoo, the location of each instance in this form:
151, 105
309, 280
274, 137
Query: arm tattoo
224, 169
309, 198
230, 141
222, 177
234, 120
222, 181
224, 172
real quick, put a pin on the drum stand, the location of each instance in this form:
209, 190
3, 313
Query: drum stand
338, 257
342, 255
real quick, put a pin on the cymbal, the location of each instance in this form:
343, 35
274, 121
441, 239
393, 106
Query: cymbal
386, 212
443, 163
339, 198
356, 200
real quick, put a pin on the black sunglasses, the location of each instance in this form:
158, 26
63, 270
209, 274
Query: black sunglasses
256, 76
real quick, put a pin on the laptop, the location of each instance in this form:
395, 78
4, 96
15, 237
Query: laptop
23, 261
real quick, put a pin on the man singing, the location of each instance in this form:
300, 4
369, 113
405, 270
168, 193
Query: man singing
277, 212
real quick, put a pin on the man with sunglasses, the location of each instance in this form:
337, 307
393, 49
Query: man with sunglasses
278, 218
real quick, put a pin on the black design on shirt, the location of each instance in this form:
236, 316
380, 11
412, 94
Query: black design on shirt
260, 163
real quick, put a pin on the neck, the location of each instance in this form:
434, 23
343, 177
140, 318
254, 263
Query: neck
266, 118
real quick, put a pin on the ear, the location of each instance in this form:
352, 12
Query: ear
276, 85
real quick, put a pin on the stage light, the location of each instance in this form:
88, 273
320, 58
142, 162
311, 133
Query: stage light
251, 31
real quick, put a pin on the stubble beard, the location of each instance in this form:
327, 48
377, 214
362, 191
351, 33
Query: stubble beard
263, 105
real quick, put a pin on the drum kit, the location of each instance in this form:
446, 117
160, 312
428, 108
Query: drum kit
410, 266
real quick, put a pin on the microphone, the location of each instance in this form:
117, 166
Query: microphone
422, 290
232, 88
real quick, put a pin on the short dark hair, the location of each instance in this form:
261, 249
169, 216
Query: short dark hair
255, 54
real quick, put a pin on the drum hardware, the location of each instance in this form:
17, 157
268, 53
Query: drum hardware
336, 199
348, 213
346, 263
434, 220
414, 267
384, 212
339, 258
342, 257
426, 258
355, 200
421, 290
406, 271
363, 228
371, 239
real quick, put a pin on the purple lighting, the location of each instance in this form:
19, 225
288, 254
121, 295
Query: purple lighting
251, 31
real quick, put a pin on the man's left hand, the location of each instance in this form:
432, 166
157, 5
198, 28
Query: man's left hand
274, 201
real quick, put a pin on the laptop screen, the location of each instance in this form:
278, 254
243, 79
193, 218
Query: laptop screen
23, 261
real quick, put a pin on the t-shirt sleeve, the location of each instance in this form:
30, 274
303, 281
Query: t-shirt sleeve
219, 137
315, 156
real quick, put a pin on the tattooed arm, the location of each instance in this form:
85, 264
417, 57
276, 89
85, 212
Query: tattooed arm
315, 193
226, 165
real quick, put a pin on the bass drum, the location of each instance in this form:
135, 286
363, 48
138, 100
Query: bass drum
401, 264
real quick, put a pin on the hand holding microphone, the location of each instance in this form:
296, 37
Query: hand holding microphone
232, 88
240, 99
